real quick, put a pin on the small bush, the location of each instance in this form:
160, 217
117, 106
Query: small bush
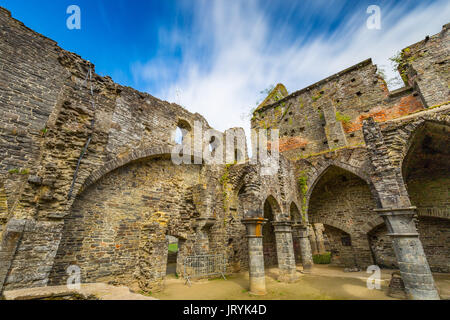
322, 258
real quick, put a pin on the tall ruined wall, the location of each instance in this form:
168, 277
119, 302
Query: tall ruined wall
329, 114
46, 115
424, 66
102, 233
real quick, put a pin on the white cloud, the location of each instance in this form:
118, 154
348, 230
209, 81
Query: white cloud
233, 52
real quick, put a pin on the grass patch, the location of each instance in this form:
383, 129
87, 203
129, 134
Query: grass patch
173, 247
324, 258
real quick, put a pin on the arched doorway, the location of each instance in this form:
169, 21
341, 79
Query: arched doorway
271, 211
425, 171
343, 203
296, 218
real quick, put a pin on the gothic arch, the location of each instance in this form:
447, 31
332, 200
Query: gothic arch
274, 205
406, 135
135, 155
294, 212
315, 178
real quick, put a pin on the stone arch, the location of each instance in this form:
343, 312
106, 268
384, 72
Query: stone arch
274, 205
123, 220
424, 167
111, 165
120, 161
184, 124
322, 170
405, 136
294, 213
334, 224
343, 200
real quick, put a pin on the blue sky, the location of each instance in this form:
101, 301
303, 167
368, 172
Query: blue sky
214, 57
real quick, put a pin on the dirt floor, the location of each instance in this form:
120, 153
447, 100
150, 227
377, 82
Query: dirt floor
324, 283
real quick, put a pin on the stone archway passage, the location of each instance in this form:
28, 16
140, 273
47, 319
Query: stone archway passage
426, 174
271, 208
117, 227
296, 218
343, 203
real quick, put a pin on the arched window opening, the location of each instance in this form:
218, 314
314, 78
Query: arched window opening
183, 129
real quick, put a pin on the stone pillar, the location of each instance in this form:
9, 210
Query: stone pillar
413, 264
312, 239
285, 251
256, 255
318, 227
305, 247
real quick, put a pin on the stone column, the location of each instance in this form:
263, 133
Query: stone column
256, 255
318, 227
312, 239
413, 264
285, 251
305, 247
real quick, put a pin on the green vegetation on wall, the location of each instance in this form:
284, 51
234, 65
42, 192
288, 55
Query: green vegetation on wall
342, 117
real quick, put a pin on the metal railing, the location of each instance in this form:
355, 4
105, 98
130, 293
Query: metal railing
204, 266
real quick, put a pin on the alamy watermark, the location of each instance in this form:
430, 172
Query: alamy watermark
73, 22
374, 281
374, 20
74, 279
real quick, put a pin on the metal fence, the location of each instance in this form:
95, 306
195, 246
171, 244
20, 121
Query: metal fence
204, 266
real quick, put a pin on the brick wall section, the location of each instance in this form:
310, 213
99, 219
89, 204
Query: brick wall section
34, 256
435, 236
31, 79
104, 232
425, 66
46, 118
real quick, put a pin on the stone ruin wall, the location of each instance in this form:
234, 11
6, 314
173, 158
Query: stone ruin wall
128, 196
320, 126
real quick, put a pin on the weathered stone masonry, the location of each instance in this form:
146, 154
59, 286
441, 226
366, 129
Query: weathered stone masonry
362, 174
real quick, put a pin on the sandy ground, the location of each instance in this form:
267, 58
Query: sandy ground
101, 291
324, 283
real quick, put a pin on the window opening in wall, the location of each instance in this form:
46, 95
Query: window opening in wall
178, 136
346, 241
